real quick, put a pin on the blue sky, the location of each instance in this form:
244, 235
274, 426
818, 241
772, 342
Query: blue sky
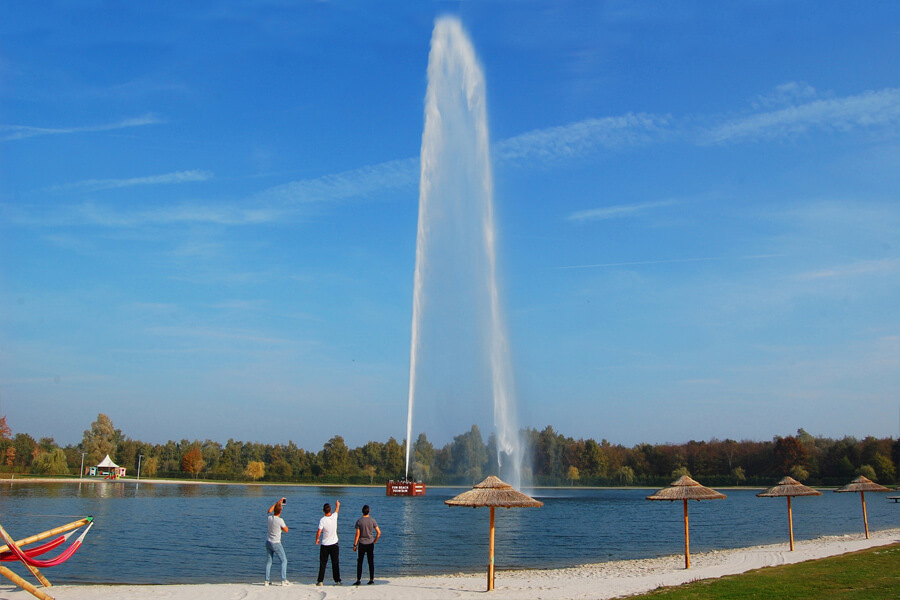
208, 216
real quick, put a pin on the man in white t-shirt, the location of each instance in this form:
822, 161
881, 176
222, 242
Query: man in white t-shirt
327, 540
273, 541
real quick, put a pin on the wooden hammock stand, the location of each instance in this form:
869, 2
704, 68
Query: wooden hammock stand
19, 581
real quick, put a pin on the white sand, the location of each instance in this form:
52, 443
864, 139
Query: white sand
602, 580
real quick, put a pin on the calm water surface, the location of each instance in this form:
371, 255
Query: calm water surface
171, 533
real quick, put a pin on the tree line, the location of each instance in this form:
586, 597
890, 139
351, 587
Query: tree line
551, 459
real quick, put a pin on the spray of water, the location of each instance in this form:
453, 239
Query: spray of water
456, 179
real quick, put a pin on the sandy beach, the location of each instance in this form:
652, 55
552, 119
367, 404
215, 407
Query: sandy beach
595, 581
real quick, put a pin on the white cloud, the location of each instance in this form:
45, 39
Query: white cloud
619, 211
218, 334
785, 94
863, 267
867, 110
348, 184
108, 184
18, 132
582, 137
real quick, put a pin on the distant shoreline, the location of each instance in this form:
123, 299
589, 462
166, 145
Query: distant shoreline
38, 479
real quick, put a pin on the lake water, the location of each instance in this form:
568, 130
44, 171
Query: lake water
172, 533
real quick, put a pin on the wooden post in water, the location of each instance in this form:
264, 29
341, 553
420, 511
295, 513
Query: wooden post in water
687, 538
865, 516
490, 581
791, 523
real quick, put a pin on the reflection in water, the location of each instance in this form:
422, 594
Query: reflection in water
409, 549
168, 533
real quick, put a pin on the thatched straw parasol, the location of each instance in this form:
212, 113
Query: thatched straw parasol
686, 489
788, 488
493, 492
862, 485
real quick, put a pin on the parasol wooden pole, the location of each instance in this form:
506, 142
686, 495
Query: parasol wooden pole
490, 581
48, 534
865, 516
791, 523
24, 584
687, 538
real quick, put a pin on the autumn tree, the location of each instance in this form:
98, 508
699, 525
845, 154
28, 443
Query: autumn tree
192, 462
789, 452
256, 469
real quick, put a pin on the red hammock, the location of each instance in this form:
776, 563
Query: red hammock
66, 555
8, 556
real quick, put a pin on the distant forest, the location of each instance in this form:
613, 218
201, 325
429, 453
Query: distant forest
551, 457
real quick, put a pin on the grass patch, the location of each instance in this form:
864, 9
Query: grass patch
872, 574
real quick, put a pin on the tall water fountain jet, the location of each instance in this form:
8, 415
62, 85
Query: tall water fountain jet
456, 212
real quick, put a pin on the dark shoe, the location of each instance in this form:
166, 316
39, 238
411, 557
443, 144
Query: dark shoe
357, 582
371, 581
337, 583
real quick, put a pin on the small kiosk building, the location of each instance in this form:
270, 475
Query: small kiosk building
107, 468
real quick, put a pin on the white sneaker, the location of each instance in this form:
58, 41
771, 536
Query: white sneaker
266, 583
286, 582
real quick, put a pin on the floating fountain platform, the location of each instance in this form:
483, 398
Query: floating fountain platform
405, 488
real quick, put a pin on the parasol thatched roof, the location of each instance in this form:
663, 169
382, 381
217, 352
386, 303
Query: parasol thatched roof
493, 492
862, 484
686, 489
789, 487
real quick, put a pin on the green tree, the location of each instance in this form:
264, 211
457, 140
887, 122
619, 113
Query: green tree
680, 472
127, 451
100, 440
150, 466
799, 473
25, 449
336, 457
394, 461
423, 458
625, 475
867, 471
423, 450
212, 453
51, 463
594, 460
370, 453
469, 455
